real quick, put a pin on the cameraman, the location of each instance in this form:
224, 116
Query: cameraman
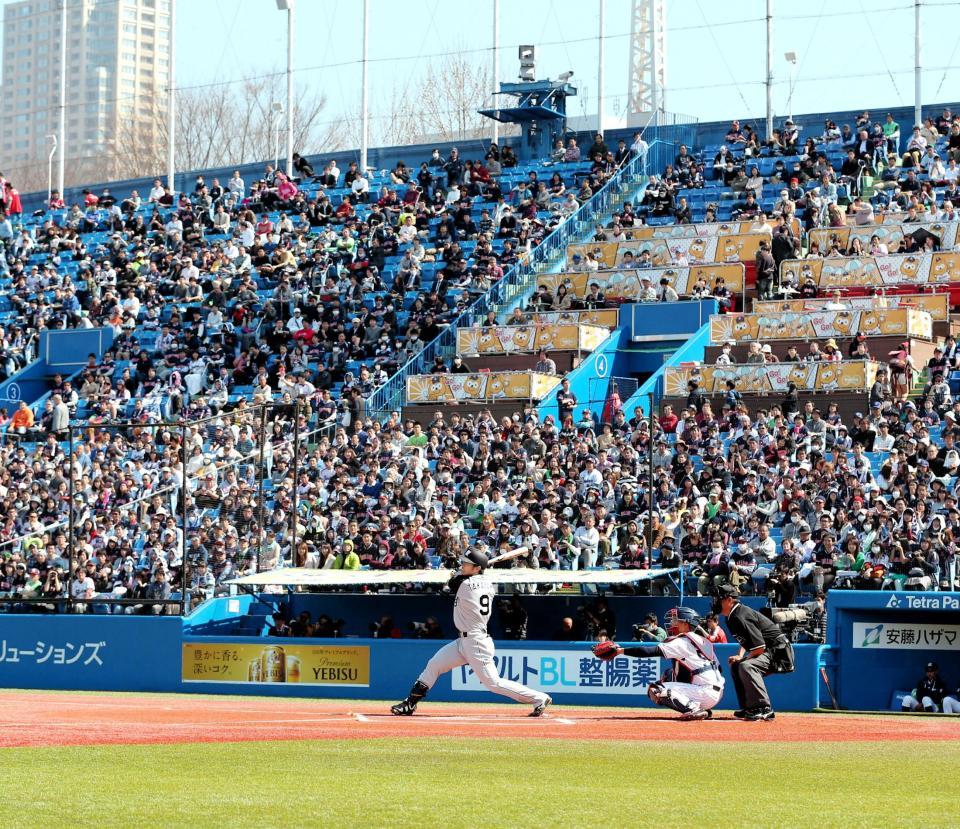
649, 631
513, 618
817, 614
764, 650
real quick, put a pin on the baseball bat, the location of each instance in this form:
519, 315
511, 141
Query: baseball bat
833, 699
509, 554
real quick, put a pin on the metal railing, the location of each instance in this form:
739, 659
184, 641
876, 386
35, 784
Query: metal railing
519, 279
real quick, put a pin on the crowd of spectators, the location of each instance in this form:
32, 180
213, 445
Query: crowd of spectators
818, 179
222, 300
221, 306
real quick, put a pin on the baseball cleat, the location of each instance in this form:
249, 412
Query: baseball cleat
539, 709
403, 709
741, 713
700, 714
760, 714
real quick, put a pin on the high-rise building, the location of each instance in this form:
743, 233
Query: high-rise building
118, 54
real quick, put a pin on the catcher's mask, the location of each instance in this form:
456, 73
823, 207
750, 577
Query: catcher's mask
676, 615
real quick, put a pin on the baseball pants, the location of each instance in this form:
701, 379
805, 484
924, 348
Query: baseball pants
748, 677
911, 703
477, 652
951, 705
692, 697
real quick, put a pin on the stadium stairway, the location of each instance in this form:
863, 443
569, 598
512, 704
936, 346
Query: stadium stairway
509, 292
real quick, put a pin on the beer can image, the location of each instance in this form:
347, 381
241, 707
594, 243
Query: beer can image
293, 668
255, 671
273, 662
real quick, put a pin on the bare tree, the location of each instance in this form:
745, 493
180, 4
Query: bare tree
448, 97
225, 125
439, 105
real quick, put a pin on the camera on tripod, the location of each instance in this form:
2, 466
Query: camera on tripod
795, 620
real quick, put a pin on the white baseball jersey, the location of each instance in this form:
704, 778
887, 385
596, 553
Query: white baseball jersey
696, 654
472, 605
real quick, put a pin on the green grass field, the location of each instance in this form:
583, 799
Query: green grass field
483, 783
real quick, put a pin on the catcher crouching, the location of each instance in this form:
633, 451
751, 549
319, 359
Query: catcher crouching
697, 680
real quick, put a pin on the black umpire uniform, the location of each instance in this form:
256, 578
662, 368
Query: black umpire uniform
754, 631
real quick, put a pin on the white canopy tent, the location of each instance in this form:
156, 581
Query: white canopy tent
292, 577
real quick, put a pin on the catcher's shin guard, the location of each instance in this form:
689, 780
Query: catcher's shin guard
669, 699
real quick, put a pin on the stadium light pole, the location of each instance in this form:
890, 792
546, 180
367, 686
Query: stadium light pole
172, 102
917, 74
364, 116
496, 66
600, 56
53, 149
288, 6
62, 127
769, 124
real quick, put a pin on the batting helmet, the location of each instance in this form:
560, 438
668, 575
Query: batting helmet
680, 614
475, 557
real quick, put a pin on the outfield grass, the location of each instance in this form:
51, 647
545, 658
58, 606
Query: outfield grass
482, 783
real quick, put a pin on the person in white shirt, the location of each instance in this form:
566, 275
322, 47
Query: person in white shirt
236, 186
647, 292
639, 147
247, 234
296, 323
590, 477
360, 187
587, 538
666, 292
156, 192
835, 303
884, 441
472, 606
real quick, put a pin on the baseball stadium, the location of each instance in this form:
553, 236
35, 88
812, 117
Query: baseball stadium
415, 399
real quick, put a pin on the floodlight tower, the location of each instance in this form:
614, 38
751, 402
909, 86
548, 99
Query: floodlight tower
648, 62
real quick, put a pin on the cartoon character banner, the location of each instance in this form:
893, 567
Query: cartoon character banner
936, 305
823, 377
810, 325
875, 271
625, 284
604, 317
524, 339
701, 229
497, 385
889, 233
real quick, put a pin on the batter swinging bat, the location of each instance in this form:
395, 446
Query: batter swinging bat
509, 554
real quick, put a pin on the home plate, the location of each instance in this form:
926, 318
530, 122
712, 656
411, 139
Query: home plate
359, 717
564, 721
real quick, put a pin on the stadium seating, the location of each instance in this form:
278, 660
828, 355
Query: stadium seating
251, 325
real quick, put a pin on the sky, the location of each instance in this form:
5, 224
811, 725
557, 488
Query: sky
851, 53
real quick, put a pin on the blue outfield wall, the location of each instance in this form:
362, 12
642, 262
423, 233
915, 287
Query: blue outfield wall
880, 642
102, 653
153, 654
90, 653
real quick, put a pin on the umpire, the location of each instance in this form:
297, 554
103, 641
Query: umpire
764, 650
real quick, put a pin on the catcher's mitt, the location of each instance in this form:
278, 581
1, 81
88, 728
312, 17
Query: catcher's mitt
606, 650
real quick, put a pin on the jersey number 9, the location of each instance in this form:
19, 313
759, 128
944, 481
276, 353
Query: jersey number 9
484, 605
